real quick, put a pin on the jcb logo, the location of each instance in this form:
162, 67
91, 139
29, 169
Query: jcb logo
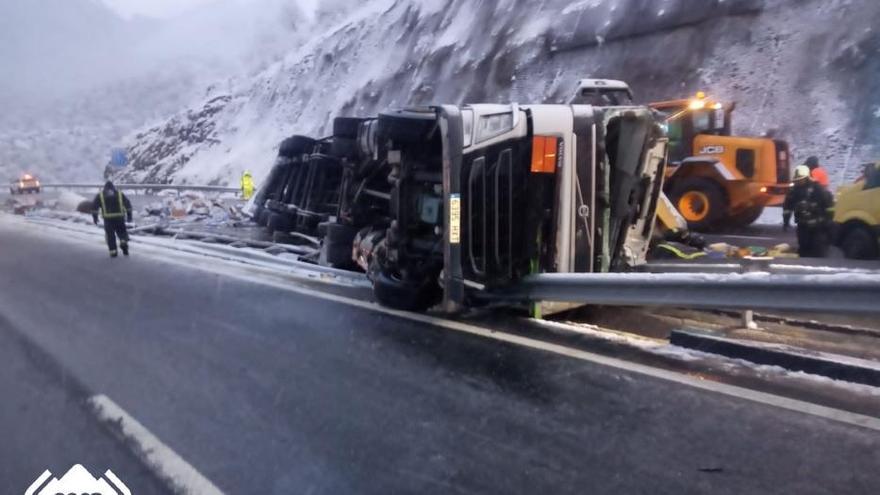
712, 150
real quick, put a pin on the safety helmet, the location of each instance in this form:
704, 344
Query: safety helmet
801, 172
247, 172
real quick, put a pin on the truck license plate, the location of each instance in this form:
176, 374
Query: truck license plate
455, 218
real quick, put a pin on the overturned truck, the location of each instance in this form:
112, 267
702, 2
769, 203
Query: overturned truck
457, 204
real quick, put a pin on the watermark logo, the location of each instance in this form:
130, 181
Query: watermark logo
79, 481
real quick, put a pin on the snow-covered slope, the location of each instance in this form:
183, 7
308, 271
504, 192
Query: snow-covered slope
806, 70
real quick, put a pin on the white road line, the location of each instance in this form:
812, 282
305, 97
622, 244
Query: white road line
164, 462
234, 270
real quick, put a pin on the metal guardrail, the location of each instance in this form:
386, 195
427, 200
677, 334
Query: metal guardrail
834, 293
794, 266
148, 187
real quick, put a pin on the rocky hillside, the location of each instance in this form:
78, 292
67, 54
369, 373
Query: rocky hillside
805, 70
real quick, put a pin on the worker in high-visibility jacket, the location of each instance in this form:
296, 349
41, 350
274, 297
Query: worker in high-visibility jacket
115, 209
247, 185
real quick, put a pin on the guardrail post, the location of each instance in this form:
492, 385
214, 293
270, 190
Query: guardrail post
748, 320
751, 265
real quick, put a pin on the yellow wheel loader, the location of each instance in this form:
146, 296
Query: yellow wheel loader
714, 179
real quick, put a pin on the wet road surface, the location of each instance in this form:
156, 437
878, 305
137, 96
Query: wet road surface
267, 391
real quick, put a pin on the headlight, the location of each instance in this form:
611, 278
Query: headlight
494, 125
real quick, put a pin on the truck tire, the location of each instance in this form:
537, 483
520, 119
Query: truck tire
280, 222
700, 201
406, 126
337, 245
262, 217
394, 293
295, 145
344, 147
858, 243
346, 127
747, 216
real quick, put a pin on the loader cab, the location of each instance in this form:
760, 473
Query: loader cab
686, 119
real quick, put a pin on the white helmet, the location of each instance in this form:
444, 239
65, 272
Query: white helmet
801, 172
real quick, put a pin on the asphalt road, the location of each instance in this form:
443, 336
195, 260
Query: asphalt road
264, 390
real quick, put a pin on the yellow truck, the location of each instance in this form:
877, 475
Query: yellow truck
716, 179
857, 216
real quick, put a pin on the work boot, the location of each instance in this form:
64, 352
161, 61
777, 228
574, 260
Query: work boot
125, 249
113, 254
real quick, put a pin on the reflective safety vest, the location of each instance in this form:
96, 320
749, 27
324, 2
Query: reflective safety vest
678, 253
105, 214
247, 186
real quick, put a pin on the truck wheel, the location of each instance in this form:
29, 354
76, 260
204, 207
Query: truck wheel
406, 126
700, 201
279, 222
395, 293
859, 243
262, 217
747, 216
295, 145
344, 147
337, 245
346, 127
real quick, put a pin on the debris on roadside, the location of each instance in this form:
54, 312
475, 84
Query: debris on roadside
720, 250
69, 201
195, 208
22, 205
85, 206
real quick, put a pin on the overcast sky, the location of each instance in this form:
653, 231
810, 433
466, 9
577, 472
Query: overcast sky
170, 8
153, 8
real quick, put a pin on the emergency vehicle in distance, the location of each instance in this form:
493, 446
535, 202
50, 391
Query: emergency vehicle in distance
27, 183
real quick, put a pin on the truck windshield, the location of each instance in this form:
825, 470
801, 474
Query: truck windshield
603, 97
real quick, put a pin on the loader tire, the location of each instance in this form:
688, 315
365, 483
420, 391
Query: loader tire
701, 202
746, 217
